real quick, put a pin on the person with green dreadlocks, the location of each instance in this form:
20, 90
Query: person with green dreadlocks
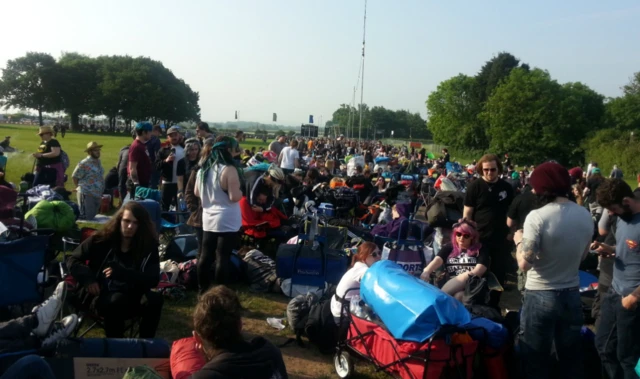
218, 184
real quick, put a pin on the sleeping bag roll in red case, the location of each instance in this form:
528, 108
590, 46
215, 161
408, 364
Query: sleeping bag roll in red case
185, 359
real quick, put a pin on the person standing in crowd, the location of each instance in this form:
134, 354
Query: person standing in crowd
619, 330
139, 168
520, 208
191, 158
289, 158
277, 145
123, 167
153, 146
218, 185
555, 240
194, 205
49, 168
616, 173
88, 177
117, 267
204, 132
240, 136
593, 182
217, 329
445, 156
487, 202
169, 162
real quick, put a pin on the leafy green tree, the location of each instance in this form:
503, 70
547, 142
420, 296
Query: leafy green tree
28, 82
623, 113
533, 118
77, 83
452, 109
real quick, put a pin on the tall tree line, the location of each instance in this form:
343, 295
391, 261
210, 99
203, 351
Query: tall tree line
508, 107
115, 86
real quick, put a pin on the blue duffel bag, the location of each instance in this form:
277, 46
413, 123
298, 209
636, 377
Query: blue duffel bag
412, 309
308, 266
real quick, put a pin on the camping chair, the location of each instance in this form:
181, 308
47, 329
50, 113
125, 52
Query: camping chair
22, 269
3, 162
8, 201
80, 304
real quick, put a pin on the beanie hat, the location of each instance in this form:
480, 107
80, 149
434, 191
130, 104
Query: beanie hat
551, 178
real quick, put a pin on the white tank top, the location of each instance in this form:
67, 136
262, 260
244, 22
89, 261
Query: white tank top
219, 213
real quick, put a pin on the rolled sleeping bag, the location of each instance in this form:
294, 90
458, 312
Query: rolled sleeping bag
410, 308
56, 215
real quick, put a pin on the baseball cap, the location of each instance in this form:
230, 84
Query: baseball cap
144, 126
172, 130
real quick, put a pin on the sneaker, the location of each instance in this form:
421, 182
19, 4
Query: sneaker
61, 330
48, 311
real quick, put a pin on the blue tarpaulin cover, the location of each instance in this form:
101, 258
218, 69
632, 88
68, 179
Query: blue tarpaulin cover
410, 308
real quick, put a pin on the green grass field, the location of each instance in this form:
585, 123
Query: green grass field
24, 138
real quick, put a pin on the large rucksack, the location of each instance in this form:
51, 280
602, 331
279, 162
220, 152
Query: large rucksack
298, 314
445, 209
261, 272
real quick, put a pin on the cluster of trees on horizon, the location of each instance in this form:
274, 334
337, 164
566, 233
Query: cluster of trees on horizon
378, 122
115, 86
509, 107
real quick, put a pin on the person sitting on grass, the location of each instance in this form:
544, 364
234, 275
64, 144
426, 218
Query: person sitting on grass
217, 324
256, 221
117, 267
463, 258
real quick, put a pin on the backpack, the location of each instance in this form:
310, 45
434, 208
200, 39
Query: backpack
445, 209
298, 313
321, 328
261, 272
64, 158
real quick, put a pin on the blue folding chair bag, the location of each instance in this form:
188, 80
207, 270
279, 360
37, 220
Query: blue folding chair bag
20, 263
410, 308
310, 267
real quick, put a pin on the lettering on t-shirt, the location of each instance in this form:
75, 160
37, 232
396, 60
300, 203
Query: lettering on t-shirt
461, 264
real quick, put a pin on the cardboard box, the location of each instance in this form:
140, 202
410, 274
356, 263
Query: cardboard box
115, 368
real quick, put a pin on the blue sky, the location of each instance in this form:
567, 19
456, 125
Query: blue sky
301, 57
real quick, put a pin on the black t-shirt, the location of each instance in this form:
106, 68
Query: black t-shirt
490, 203
46, 147
521, 206
462, 263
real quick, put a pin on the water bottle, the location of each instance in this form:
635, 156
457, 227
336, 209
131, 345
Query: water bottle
355, 308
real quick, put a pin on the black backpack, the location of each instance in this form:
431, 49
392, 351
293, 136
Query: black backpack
445, 209
298, 313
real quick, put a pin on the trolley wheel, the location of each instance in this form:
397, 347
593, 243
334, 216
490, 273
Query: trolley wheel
344, 364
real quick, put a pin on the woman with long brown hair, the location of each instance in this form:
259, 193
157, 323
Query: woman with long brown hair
116, 269
368, 254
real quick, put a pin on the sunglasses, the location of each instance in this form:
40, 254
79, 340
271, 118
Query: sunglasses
490, 169
375, 254
463, 235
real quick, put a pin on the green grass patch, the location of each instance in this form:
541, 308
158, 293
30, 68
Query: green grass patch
24, 138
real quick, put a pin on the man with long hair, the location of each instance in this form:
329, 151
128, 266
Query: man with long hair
487, 202
117, 267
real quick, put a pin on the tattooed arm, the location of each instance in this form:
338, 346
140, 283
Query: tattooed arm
527, 254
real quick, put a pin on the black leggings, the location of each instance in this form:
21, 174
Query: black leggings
118, 307
218, 247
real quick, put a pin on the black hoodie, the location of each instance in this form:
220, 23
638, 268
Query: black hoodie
256, 359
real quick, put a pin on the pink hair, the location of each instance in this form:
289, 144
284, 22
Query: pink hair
474, 248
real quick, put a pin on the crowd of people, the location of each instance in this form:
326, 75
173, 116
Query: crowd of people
547, 217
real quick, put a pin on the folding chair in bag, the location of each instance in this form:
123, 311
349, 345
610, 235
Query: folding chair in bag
23, 270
